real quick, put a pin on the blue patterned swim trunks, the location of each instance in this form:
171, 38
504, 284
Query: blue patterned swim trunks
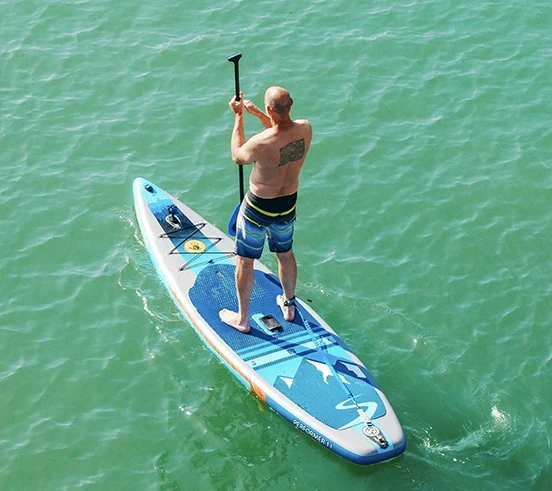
260, 219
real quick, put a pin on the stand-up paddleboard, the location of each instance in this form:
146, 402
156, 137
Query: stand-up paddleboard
300, 369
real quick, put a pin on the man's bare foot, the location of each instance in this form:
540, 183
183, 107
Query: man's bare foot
287, 306
231, 318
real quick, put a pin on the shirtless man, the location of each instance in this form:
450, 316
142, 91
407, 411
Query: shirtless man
268, 210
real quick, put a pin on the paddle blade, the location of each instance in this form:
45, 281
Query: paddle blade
233, 222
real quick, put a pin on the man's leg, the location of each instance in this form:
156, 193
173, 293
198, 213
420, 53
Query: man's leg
287, 271
245, 279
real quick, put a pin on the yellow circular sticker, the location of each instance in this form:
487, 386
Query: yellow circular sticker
194, 246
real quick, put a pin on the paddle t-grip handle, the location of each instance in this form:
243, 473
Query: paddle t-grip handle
236, 59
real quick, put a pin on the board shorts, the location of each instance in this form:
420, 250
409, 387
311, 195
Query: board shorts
260, 219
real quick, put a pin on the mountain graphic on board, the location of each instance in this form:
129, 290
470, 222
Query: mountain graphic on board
316, 389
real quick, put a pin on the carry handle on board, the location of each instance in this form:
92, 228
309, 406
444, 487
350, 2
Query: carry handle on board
233, 219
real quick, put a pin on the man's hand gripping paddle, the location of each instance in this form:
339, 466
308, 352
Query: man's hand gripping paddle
233, 219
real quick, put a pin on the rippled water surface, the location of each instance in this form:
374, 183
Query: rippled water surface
424, 232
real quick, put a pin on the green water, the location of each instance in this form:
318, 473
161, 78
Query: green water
425, 223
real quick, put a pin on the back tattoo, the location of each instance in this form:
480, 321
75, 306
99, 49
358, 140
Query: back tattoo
292, 151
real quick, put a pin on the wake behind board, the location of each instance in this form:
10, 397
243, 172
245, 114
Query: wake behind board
301, 369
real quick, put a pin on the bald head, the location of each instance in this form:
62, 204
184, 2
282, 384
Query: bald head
278, 100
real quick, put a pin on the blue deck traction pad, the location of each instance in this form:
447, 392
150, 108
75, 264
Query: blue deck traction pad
299, 374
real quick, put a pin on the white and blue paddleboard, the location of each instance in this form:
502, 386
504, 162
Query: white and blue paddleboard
302, 369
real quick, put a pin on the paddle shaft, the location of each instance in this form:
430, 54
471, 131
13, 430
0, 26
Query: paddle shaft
235, 60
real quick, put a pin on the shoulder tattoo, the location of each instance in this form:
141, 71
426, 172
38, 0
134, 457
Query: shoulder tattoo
292, 151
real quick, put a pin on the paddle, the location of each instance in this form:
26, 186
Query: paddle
233, 219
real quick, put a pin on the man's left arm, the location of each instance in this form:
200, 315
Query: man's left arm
243, 152
238, 139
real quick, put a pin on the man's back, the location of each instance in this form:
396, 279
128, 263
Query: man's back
278, 153
281, 151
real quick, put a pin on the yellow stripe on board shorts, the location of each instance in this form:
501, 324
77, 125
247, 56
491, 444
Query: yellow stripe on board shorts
268, 214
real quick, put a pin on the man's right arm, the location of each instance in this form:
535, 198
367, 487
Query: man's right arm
255, 111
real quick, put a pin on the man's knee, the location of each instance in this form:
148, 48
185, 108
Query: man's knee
245, 263
285, 256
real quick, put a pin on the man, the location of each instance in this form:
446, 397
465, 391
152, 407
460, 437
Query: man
268, 210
